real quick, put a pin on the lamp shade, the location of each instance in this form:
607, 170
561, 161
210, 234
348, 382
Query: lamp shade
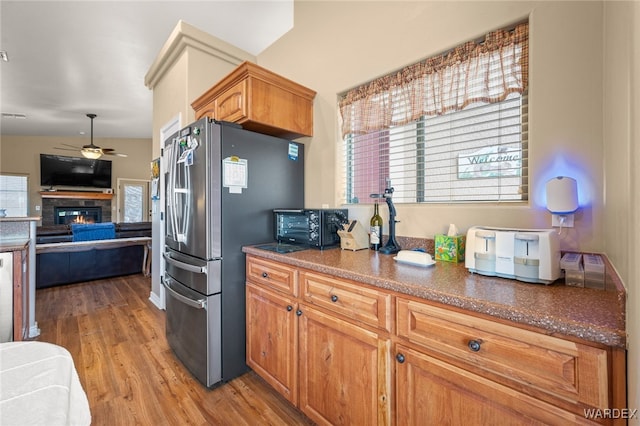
91, 153
562, 195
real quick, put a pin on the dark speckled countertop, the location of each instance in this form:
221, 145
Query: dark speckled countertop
589, 314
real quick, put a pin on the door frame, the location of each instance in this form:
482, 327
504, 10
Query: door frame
157, 295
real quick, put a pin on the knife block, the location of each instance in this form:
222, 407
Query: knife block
353, 236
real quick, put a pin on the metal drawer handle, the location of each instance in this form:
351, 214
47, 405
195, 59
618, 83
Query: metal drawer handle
474, 345
400, 358
185, 266
198, 304
265, 275
298, 312
334, 298
289, 308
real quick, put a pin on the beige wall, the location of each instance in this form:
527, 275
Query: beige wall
621, 159
335, 46
21, 154
633, 205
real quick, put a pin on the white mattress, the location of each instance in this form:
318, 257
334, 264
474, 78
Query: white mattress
39, 385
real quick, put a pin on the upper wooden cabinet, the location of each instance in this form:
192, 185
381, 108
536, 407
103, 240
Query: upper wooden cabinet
261, 101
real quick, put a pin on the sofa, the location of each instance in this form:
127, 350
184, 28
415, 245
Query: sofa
68, 254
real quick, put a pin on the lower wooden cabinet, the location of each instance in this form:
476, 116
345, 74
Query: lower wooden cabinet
549, 368
350, 354
14, 292
333, 369
343, 371
272, 335
430, 391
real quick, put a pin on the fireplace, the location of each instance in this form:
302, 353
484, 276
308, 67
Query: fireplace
74, 201
67, 215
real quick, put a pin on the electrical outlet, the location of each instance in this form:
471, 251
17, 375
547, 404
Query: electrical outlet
37, 208
562, 220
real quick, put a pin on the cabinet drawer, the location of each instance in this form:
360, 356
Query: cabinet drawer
348, 299
272, 274
533, 362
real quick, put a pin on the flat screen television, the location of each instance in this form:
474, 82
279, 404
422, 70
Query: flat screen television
59, 170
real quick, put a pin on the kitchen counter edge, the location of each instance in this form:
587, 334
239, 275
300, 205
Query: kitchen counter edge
592, 315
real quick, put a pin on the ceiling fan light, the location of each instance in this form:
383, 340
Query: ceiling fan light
93, 154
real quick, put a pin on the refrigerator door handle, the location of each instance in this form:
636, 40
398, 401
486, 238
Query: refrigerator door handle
171, 202
176, 196
183, 265
198, 304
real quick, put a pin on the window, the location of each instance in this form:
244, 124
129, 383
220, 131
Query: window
452, 128
133, 204
14, 194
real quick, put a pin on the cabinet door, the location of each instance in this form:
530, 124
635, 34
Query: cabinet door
344, 374
272, 329
432, 392
231, 105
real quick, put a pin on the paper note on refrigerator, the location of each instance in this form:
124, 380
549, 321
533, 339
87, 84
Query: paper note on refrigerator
234, 174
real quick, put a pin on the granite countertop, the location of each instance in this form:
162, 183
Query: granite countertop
19, 218
592, 315
14, 245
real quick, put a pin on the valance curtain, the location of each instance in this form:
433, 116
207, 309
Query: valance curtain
486, 71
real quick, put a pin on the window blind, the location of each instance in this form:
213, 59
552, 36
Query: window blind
14, 195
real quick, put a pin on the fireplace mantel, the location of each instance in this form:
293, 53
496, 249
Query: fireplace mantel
76, 195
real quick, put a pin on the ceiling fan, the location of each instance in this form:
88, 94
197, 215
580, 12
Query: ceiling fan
92, 151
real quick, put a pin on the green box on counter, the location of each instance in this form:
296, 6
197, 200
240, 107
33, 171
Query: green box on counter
450, 249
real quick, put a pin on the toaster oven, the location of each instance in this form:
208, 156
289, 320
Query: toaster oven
316, 228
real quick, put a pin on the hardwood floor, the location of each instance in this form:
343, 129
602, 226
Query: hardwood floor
117, 339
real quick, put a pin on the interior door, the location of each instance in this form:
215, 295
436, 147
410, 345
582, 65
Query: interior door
133, 200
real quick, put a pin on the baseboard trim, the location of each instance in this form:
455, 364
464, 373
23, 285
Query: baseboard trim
155, 299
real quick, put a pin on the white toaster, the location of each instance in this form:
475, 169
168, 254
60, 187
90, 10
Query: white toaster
531, 255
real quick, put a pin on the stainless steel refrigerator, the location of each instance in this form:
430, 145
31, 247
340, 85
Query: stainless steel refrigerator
222, 183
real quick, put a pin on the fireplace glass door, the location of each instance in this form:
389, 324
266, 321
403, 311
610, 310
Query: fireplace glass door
67, 215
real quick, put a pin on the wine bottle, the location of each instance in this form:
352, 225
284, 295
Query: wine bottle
375, 231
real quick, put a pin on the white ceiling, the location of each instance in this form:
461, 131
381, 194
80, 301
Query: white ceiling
70, 58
